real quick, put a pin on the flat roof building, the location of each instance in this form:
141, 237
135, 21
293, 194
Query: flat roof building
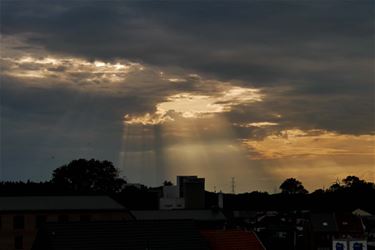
22, 216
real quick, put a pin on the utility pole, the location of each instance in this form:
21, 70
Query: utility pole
233, 185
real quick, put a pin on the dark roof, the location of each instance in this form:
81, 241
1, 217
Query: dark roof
197, 215
232, 240
47, 203
129, 235
245, 214
349, 223
323, 222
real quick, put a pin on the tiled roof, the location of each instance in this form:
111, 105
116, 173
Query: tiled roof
232, 240
133, 235
37, 203
197, 215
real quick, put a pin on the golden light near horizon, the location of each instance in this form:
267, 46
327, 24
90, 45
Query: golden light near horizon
312, 143
312, 155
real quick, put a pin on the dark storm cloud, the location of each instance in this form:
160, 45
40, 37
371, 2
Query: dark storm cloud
321, 52
49, 127
234, 40
346, 114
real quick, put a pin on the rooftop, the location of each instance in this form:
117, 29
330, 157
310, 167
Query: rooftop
48, 203
323, 222
349, 223
197, 215
155, 235
232, 240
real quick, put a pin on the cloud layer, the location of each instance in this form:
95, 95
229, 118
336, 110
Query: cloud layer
142, 81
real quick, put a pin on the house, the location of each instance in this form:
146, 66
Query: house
232, 240
277, 231
202, 218
350, 231
22, 216
321, 230
134, 235
369, 223
245, 218
349, 226
336, 231
361, 213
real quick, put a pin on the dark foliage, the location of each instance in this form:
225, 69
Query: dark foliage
292, 186
101, 177
88, 176
352, 194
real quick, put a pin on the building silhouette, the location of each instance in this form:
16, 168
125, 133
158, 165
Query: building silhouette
189, 193
21, 217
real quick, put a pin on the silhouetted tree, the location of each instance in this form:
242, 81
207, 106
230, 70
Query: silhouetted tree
352, 181
88, 176
335, 187
352, 184
167, 183
292, 186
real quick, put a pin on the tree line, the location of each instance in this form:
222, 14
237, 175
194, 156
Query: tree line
102, 177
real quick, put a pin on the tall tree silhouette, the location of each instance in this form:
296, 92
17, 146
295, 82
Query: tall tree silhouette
88, 176
352, 184
292, 186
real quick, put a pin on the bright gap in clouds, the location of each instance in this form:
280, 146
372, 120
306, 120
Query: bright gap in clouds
190, 105
68, 69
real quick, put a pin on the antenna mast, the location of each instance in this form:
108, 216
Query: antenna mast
233, 185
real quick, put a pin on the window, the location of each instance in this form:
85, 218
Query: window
19, 222
40, 220
85, 217
18, 242
63, 218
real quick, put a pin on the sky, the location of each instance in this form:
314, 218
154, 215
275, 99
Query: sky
258, 90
